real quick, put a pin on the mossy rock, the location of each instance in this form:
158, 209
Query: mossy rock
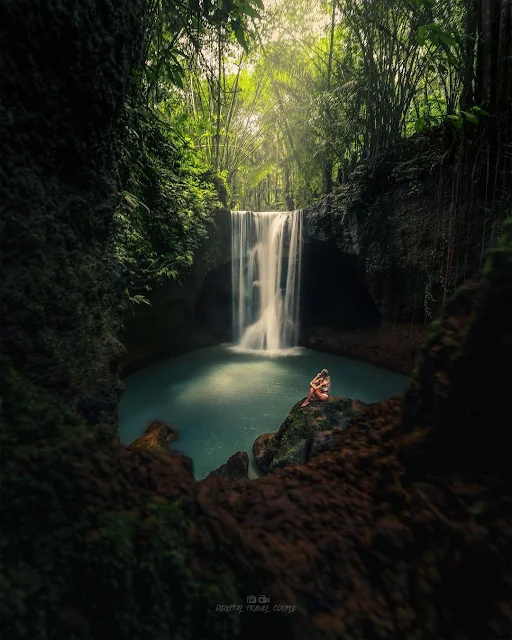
157, 435
290, 445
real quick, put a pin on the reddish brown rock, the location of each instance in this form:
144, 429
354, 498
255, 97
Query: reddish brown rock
157, 435
321, 441
264, 449
393, 346
236, 468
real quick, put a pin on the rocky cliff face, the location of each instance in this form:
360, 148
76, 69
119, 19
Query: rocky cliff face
395, 221
185, 316
397, 243
65, 71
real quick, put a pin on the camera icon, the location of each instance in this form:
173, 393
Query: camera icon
251, 599
263, 599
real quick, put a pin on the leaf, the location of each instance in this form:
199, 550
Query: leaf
419, 125
130, 201
177, 79
480, 112
250, 11
456, 120
470, 117
259, 4
434, 38
422, 35
447, 39
239, 35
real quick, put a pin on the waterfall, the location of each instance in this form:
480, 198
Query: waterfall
266, 248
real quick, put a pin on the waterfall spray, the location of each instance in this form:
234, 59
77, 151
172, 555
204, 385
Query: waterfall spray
266, 262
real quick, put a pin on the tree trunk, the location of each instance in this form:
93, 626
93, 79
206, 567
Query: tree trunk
288, 195
216, 155
504, 75
467, 94
327, 168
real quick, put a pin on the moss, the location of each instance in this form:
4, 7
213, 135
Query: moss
71, 528
294, 435
85, 550
140, 565
60, 190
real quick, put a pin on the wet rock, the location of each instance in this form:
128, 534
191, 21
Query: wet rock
235, 468
292, 442
264, 449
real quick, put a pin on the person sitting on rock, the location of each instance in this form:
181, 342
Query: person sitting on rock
319, 387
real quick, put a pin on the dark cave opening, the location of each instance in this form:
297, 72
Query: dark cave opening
213, 310
335, 291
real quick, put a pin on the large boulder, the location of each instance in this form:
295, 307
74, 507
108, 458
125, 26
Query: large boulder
292, 442
235, 468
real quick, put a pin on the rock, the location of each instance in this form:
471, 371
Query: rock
189, 315
264, 449
321, 441
236, 467
157, 435
292, 443
392, 346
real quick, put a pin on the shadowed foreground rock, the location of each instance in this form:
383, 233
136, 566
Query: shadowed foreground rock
399, 530
236, 468
291, 443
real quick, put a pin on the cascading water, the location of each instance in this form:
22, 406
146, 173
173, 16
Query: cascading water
266, 262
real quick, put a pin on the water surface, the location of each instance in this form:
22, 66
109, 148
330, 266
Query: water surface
222, 400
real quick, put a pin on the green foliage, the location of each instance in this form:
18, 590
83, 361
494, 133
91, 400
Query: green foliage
165, 207
472, 116
325, 86
435, 34
78, 518
177, 29
169, 190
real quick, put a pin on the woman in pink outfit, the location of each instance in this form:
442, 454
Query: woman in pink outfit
319, 388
